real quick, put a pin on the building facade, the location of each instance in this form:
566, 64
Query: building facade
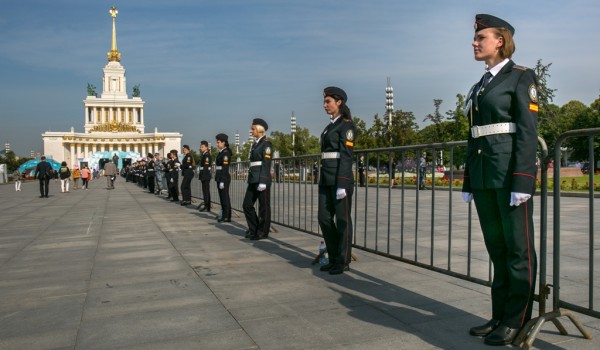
113, 122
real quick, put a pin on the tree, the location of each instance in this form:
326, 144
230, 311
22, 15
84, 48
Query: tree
548, 124
12, 161
436, 118
304, 144
459, 128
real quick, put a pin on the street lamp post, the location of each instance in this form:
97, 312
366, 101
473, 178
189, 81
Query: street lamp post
293, 125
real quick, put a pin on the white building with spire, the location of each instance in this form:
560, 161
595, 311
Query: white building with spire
114, 123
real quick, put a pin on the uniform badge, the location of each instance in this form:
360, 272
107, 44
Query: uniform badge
268, 150
225, 159
350, 135
533, 93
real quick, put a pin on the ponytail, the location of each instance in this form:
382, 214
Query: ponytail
345, 112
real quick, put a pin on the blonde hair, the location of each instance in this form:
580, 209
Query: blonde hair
260, 129
508, 47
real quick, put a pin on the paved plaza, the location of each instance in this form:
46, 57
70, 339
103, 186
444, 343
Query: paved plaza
124, 269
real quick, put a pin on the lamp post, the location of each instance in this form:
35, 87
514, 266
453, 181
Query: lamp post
293, 126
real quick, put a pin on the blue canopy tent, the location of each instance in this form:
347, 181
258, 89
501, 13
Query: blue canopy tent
29, 166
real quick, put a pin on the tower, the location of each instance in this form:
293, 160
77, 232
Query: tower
389, 101
113, 110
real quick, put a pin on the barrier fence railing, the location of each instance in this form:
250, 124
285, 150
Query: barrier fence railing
562, 307
428, 227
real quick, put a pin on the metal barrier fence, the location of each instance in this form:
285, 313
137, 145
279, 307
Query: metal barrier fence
572, 282
431, 228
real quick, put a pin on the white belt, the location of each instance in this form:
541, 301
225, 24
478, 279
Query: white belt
330, 155
259, 163
492, 129
219, 167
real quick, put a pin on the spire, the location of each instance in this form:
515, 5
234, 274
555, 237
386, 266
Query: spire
114, 55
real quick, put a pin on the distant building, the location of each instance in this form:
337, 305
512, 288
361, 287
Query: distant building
113, 122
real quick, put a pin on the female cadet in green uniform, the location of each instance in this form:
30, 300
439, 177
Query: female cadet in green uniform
222, 176
500, 175
259, 183
336, 183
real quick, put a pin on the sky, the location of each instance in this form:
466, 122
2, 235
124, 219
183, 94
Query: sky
206, 67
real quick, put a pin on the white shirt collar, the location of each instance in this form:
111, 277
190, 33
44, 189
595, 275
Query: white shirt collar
495, 69
333, 120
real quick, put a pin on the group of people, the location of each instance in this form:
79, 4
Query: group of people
44, 173
500, 173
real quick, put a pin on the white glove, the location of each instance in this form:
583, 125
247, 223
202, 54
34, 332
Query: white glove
517, 198
467, 197
340, 193
261, 187
221, 185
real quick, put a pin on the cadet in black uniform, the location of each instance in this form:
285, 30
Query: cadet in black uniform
361, 171
336, 183
150, 173
205, 175
222, 176
173, 166
500, 175
187, 170
259, 183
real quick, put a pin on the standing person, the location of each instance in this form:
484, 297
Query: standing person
336, 184
315, 172
151, 172
173, 168
422, 170
17, 178
500, 175
159, 167
76, 176
205, 175
392, 172
259, 183
110, 171
222, 176
187, 171
115, 159
86, 175
361, 171
44, 172
65, 176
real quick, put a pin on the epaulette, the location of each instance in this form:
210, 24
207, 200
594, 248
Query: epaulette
523, 68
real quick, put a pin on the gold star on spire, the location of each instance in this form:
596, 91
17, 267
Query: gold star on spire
114, 55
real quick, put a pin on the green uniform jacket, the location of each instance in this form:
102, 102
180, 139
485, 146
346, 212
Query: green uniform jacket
205, 167
338, 137
261, 151
223, 159
504, 160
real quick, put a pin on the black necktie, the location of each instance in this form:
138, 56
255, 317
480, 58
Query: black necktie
484, 81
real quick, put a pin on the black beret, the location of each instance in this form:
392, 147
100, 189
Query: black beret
186, 147
261, 122
222, 137
483, 21
204, 143
335, 92
150, 155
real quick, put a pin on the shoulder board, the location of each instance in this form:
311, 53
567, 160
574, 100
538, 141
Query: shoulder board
346, 120
523, 68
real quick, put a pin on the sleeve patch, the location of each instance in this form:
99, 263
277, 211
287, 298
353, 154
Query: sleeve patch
349, 144
533, 95
533, 107
350, 135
